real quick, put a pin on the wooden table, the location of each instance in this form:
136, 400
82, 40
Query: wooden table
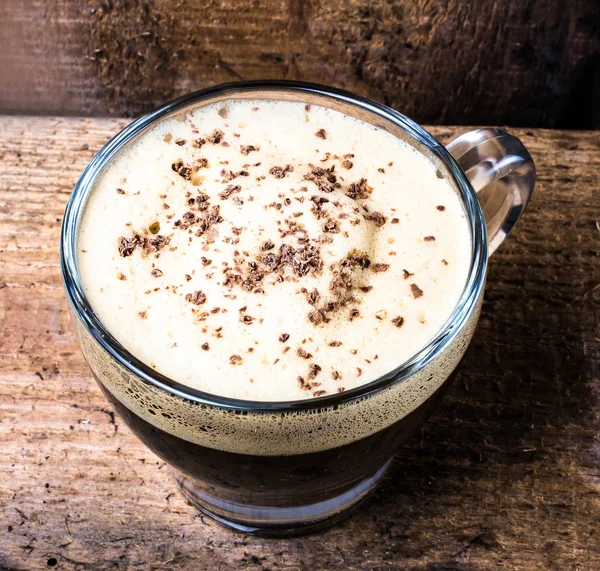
506, 475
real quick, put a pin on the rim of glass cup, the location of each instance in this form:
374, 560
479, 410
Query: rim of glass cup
460, 314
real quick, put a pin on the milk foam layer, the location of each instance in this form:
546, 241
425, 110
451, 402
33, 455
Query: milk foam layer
269, 251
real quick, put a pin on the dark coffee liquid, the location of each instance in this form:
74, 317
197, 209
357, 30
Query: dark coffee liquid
279, 481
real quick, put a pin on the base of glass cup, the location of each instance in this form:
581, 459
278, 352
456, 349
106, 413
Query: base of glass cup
269, 521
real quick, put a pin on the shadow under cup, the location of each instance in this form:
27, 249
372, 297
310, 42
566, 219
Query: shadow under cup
277, 468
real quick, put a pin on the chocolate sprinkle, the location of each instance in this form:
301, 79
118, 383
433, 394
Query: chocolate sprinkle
183, 170
331, 226
359, 190
199, 202
247, 149
314, 370
279, 172
378, 218
197, 298
246, 319
317, 317
325, 180
229, 190
154, 244
416, 291
302, 353
216, 137
312, 296
128, 245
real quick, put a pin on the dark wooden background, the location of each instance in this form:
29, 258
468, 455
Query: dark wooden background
529, 63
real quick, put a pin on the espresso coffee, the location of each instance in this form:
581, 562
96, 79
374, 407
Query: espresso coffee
273, 250
258, 493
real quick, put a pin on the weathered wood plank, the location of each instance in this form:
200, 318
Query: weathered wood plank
506, 475
531, 63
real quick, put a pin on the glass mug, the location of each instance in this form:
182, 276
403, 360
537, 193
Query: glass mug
281, 468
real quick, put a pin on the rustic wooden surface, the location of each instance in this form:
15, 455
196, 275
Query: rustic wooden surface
506, 475
534, 63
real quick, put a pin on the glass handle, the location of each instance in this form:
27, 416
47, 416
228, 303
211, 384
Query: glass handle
503, 175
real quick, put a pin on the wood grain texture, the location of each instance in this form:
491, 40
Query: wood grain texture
534, 63
505, 475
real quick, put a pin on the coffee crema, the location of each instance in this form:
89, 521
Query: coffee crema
272, 250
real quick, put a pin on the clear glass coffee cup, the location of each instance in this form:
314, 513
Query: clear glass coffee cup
283, 468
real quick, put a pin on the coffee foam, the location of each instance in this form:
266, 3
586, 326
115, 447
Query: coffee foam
170, 337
